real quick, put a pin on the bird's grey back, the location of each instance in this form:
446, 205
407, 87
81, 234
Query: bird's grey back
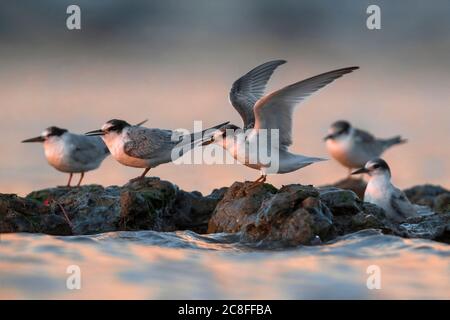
146, 143
372, 145
87, 149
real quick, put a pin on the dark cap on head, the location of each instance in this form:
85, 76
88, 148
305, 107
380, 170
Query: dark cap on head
54, 131
338, 128
374, 166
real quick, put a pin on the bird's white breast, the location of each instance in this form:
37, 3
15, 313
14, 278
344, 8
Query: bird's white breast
56, 153
115, 143
379, 191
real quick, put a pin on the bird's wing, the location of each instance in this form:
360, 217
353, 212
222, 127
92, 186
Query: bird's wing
145, 143
401, 205
249, 88
363, 136
274, 111
88, 149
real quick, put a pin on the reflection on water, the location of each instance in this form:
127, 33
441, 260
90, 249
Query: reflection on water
153, 265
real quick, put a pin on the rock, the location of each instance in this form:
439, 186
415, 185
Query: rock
292, 215
238, 206
148, 204
358, 186
434, 227
340, 201
435, 197
24, 215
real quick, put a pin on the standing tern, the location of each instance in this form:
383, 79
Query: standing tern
140, 147
71, 153
381, 192
263, 113
353, 147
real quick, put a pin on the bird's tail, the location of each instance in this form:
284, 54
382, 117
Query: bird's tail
387, 143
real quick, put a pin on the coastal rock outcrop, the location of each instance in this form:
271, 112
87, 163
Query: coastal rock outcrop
148, 204
292, 215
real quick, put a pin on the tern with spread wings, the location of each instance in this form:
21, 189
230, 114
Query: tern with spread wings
269, 114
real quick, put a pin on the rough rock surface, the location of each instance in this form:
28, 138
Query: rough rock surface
435, 197
298, 214
292, 215
148, 204
354, 184
23, 215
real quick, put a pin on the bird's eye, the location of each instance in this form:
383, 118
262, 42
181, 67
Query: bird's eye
376, 166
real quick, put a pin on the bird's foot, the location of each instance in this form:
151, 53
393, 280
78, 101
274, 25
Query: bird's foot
258, 181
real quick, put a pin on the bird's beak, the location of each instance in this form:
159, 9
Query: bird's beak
208, 141
330, 136
98, 132
359, 171
141, 123
36, 139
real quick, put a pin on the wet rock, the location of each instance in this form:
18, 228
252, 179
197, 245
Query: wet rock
25, 215
292, 215
90, 208
435, 197
433, 227
192, 210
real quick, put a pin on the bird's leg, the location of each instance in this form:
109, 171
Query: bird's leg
142, 176
70, 179
258, 180
261, 179
81, 178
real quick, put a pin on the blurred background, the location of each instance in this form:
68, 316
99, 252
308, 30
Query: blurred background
173, 62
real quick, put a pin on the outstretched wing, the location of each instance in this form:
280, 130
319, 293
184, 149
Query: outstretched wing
249, 88
145, 143
274, 111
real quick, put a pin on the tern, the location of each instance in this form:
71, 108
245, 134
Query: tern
381, 192
71, 153
353, 147
140, 147
263, 113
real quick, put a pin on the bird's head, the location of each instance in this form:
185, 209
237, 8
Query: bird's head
338, 129
375, 167
47, 134
221, 134
112, 127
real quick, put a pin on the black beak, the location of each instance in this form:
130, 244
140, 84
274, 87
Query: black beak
141, 123
37, 139
330, 136
98, 132
208, 142
359, 171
